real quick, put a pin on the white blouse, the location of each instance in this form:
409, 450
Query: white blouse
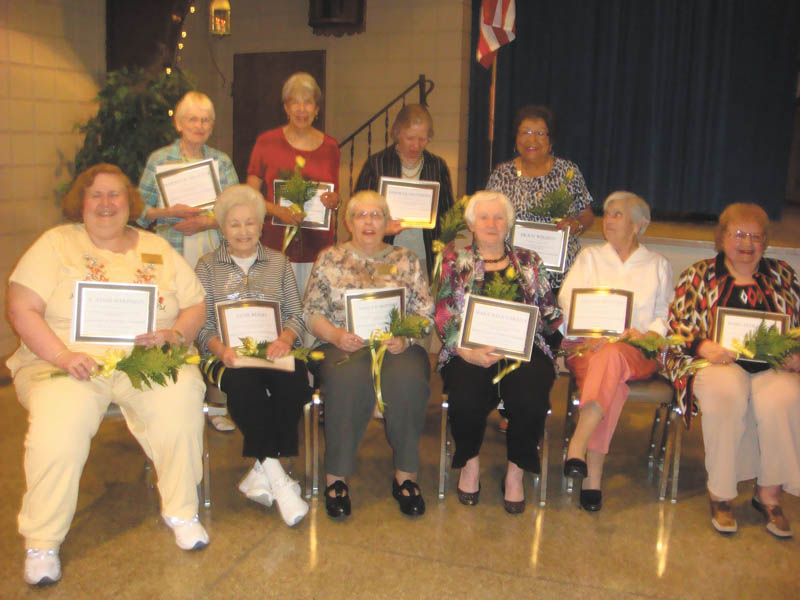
647, 274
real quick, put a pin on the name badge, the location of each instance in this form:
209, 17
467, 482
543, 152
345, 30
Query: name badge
153, 259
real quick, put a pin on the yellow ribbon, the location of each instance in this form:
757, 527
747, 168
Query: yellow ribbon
505, 371
378, 351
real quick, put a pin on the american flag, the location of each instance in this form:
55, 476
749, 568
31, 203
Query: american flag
497, 28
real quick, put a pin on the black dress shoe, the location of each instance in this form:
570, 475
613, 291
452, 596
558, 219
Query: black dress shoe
412, 505
575, 467
591, 500
469, 498
337, 505
513, 507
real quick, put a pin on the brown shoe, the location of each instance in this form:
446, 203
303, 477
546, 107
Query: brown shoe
722, 516
777, 523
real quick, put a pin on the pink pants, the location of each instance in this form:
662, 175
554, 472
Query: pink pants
601, 375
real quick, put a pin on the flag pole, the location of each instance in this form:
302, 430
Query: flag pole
492, 91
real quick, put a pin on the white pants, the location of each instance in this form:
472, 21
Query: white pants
63, 416
751, 427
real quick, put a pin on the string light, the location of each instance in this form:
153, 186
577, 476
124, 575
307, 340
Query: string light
169, 70
183, 34
191, 9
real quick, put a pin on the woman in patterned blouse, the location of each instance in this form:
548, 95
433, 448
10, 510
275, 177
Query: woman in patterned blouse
366, 261
536, 172
750, 421
265, 404
468, 373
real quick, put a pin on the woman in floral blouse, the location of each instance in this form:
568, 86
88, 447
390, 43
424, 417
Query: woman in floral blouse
468, 373
364, 262
536, 172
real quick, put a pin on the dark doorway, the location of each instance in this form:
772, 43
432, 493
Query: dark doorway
257, 106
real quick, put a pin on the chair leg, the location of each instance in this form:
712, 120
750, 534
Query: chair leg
307, 443
545, 462
669, 448
676, 464
206, 462
444, 443
652, 455
573, 401
317, 403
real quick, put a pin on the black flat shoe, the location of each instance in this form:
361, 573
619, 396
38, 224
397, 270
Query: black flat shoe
337, 505
469, 498
575, 467
591, 500
513, 507
412, 505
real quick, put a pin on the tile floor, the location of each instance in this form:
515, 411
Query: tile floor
635, 547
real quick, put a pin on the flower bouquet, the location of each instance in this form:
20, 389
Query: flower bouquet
451, 224
769, 345
213, 367
298, 189
556, 204
412, 326
143, 366
505, 287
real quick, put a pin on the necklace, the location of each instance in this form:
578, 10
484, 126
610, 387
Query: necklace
412, 171
492, 261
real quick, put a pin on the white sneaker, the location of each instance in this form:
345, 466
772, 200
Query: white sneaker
291, 506
42, 567
256, 487
222, 423
189, 535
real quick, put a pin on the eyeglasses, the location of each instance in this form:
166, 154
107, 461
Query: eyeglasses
363, 215
201, 120
529, 132
740, 236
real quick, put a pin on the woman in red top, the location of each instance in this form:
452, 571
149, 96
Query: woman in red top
278, 149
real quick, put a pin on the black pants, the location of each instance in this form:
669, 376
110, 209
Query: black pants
266, 405
526, 396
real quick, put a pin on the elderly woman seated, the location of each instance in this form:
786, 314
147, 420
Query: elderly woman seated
601, 368
65, 412
366, 262
468, 373
265, 404
750, 421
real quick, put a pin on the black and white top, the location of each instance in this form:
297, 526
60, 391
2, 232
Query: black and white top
270, 277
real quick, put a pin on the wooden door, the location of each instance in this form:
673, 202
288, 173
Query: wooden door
257, 106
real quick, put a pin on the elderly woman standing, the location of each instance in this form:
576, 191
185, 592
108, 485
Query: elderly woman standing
184, 226
468, 373
407, 158
536, 172
366, 261
603, 370
265, 404
278, 149
751, 422
65, 412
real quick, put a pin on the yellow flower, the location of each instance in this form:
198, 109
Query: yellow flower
194, 359
741, 349
110, 360
250, 346
300, 161
510, 273
295, 209
570, 174
316, 355
463, 201
794, 332
438, 246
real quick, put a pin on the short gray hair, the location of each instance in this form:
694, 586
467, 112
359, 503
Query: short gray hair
301, 82
239, 195
194, 99
489, 196
639, 209
366, 195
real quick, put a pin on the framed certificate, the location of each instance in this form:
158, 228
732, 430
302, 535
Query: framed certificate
546, 239
318, 216
368, 310
598, 312
510, 327
112, 313
414, 203
196, 184
257, 319
735, 323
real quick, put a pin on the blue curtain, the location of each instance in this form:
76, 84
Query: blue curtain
687, 102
